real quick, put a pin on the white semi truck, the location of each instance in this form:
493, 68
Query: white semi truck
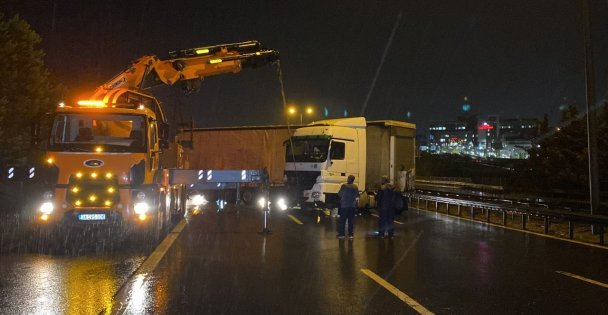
320, 157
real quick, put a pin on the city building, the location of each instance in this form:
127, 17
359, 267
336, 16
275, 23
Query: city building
515, 136
456, 137
488, 136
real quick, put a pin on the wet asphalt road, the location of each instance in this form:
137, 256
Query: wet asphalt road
40, 284
219, 264
47, 270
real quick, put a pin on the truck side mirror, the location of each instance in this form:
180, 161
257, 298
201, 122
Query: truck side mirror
163, 129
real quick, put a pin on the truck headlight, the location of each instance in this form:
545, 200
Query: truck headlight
141, 208
199, 200
141, 195
315, 195
47, 207
282, 204
262, 202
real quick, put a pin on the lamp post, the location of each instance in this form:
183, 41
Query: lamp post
293, 110
594, 189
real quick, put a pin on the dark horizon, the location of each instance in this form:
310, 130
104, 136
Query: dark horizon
516, 59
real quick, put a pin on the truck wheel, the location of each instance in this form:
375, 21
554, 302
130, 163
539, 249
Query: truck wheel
158, 219
332, 201
364, 203
178, 212
248, 196
165, 212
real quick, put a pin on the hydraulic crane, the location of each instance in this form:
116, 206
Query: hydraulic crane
110, 154
187, 67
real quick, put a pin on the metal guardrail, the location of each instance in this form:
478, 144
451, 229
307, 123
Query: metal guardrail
525, 210
445, 179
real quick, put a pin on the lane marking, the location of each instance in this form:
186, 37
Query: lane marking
138, 278
396, 292
152, 261
571, 275
518, 230
377, 216
294, 219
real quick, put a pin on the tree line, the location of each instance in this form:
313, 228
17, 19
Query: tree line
27, 90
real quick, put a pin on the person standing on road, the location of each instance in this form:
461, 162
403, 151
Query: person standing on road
386, 208
348, 194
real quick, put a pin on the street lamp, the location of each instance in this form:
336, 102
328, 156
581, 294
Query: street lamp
293, 110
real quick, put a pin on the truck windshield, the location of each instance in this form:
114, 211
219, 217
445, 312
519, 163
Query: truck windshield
114, 133
307, 150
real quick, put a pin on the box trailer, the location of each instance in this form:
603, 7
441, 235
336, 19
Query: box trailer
238, 148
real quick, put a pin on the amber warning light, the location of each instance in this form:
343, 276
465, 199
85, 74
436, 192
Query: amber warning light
91, 103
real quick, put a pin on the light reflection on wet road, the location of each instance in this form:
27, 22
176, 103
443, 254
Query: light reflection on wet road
220, 264
38, 284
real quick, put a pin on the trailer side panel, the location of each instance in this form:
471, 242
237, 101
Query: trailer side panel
242, 148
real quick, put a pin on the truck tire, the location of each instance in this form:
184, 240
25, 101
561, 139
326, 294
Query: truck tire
332, 201
363, 201
159, 220
177, 213
248, 196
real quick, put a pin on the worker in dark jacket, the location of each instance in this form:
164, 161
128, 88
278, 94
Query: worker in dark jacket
386, 208
348, 194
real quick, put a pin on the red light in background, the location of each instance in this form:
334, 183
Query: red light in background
485, 126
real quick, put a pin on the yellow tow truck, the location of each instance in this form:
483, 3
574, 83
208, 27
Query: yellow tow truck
108, 156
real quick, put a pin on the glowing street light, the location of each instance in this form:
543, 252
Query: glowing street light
293, 110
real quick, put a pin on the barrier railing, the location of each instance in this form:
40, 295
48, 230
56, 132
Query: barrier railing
525, 211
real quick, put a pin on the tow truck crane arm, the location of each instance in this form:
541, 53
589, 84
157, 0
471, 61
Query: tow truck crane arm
188, 66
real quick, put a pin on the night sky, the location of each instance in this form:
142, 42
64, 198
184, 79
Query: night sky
516, 58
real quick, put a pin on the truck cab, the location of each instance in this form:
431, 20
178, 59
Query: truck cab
320, 157
107, 165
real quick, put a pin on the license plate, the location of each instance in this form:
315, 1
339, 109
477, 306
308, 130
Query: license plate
92, 217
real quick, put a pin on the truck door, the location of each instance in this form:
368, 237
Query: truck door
154, 147
343, 159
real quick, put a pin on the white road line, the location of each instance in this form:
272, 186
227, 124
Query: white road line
294, 219
152, 261
396, 292
571, 275
138, 278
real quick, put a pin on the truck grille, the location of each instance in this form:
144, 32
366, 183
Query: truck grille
92, 189
301, 179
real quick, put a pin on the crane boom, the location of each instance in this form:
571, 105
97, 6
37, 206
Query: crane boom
187, 65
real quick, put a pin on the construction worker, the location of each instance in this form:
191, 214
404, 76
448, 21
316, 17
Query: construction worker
386, 208
348, 194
